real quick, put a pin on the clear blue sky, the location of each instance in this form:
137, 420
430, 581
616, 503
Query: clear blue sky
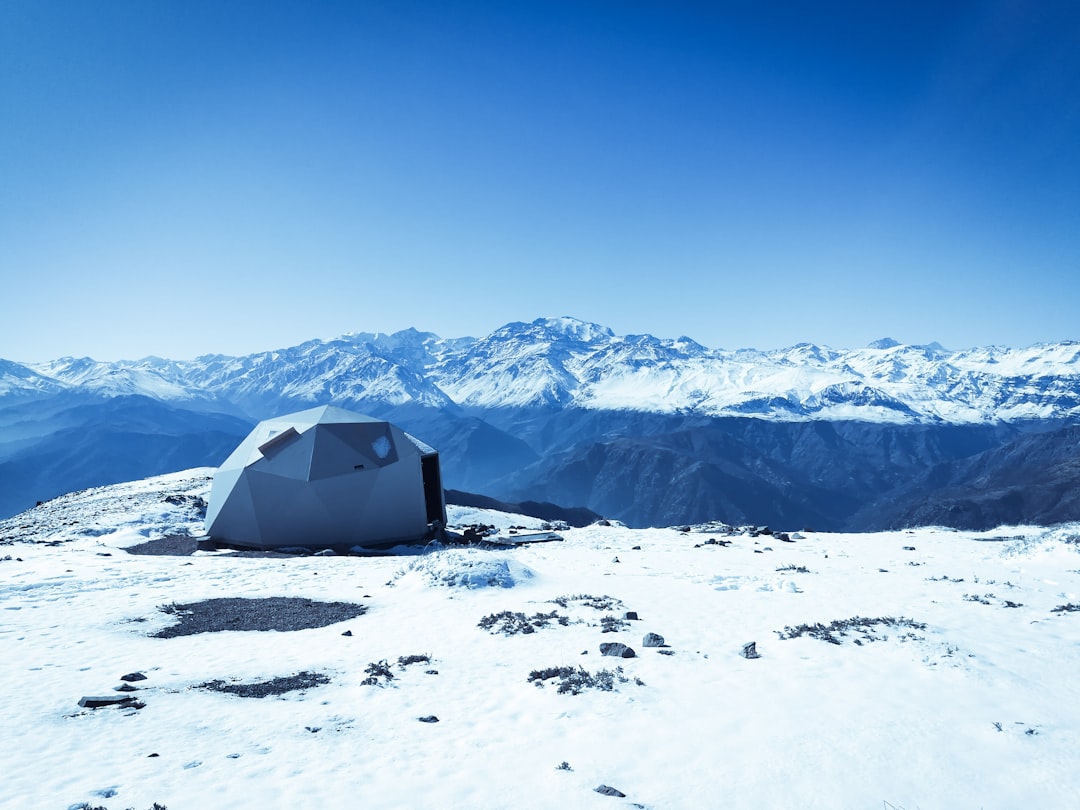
186, 177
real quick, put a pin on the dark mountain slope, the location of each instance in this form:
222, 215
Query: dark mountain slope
1035, 478
745, 470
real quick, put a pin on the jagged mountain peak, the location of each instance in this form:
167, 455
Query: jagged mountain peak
410, 336
564, 328
122, 378
806, 353
576, 329
891, 345
67, 366
17, 379
883, 343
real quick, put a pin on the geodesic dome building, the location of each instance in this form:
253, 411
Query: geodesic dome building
326, 477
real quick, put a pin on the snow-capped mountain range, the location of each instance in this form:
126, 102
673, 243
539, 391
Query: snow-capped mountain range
651, 431
564, 362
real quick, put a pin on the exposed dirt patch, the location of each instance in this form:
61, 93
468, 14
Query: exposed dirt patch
183, 545
179, 545
274, 686
279, 613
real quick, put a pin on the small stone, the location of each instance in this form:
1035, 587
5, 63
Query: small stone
151, 756
428, 719
631, 615
615, 560
617, 650
125, 687
636, 548
347, 633
749, 650
99, 702
607, 790
652, 640
133, 676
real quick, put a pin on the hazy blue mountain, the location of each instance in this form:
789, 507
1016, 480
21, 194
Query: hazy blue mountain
97, 442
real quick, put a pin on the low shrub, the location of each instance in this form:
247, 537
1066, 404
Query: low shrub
376, 670
841, 627
576, 680
511, 624
612, 624
584, 599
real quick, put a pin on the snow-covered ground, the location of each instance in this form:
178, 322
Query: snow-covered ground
966, 696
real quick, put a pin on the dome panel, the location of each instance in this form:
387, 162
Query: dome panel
373, 440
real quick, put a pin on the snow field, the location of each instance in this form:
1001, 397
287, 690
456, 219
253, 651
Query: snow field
906, 717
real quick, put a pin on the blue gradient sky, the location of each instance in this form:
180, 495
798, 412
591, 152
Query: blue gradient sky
178, 178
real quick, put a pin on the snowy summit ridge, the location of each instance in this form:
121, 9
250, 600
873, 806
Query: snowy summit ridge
565, 362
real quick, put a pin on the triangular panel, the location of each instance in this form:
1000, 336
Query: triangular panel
331, 456
373, 440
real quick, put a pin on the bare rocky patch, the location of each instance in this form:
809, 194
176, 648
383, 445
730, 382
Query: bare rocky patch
274, 686
278, 613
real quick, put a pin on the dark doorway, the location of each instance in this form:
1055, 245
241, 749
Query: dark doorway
433, 489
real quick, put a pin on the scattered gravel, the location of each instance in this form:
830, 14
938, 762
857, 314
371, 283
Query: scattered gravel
178, 545
274, 686
279, 613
